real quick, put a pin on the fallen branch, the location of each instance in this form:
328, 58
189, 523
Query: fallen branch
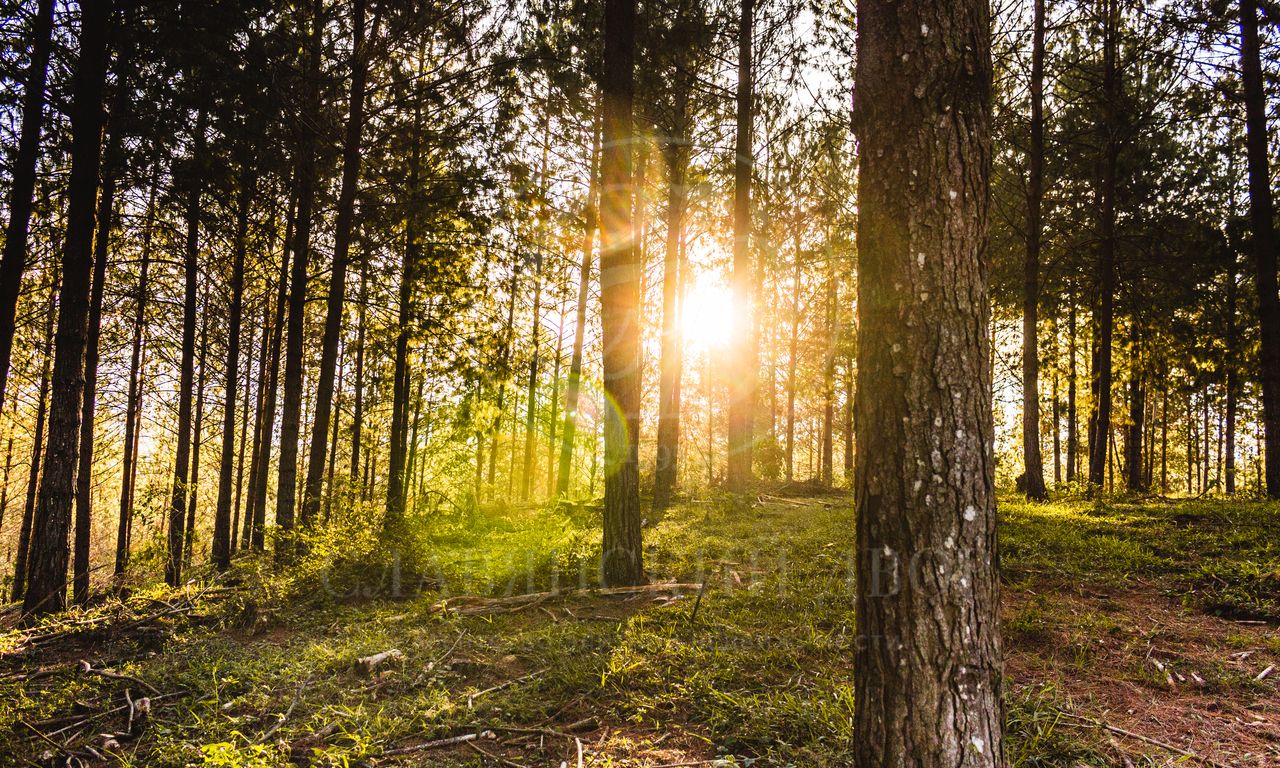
437, 743
469, 605
472, 697
293, 704
1153, 742
88, 669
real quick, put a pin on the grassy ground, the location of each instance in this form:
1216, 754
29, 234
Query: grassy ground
1125, 625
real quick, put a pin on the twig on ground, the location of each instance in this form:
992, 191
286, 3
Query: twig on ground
472, 697
437, 743
578, 741
88, 668
492, 756
292, 705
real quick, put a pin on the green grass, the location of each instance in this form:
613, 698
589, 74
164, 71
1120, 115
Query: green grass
765, 671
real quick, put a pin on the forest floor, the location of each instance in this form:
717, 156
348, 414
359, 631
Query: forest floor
1137, 634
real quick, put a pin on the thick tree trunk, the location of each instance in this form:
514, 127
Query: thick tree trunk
338, 278
88, 406
927, 674
1032, 462
291, 408
178, 499
223, 526
47, 572
574, 385
672, 362
37, 453
23, 183
133, 406
742, 385
1263, 244
620, 281
1105, 270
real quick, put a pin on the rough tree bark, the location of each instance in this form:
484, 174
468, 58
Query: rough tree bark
620, 281
47, 566
928, 672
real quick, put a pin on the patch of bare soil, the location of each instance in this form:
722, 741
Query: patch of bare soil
1152, 676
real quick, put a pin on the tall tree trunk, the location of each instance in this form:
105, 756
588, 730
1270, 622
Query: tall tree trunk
223, 526
531, 391
4, 485
338, 278
1032, 462
573, 387
1073, 429
37, 453
178, 499
1137, 413
397, 482
133, 406
742, 385
88, 406
620, 281
1232, 381
47, 572
672, 362
530, 424
829, 384
1105, 274
554, 421
23, 183
197, 439
508, 336
928, 675
291, 408
244, 438
1263, 244
848, 420
357, 413
1057, 413
261, 476
333, 440
793, 358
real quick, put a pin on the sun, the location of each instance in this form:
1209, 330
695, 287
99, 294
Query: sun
708, 316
